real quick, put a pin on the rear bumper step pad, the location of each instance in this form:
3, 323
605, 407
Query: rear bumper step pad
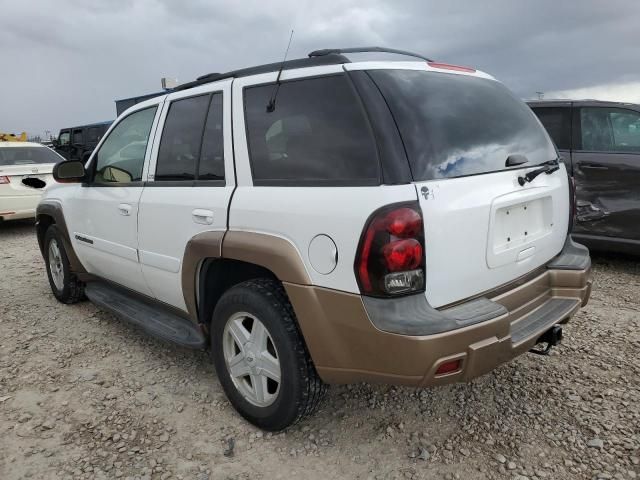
548, 314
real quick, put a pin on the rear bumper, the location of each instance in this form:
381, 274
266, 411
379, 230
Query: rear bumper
349, 344
19, 206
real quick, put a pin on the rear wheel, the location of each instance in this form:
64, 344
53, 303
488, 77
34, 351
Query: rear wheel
260, 356
64, 284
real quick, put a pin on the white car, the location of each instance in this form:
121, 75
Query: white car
325, 221
25, 173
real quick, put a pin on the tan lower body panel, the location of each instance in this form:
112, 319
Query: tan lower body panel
346, 347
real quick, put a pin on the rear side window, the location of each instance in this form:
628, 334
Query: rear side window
317, 135
557, 121
77, 137
180, 144
212, 155
606, 129
456, 125
93, 135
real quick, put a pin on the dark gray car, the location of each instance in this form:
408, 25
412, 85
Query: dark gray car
600, 145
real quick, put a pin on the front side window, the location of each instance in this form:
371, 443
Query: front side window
557, 121
316, 135
121, 156
64, 138
181, 137
456, 125
605, 129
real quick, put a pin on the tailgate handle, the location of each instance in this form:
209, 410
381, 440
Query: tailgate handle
526, 253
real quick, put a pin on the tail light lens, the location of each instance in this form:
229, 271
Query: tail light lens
4, 180
390, 258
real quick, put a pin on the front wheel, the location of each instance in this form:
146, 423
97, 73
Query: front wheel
260, 356
64, 284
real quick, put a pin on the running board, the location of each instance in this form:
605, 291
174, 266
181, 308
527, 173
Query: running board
151, 318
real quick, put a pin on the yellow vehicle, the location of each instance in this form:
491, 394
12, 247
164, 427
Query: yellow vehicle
12, 137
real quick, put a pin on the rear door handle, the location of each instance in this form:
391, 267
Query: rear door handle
591, 166
202, 216
124, 209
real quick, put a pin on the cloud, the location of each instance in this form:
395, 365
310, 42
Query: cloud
65, 62
625, 92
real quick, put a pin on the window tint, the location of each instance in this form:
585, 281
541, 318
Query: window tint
454, 125
212, 155
317, 134
64, 137
77, 137
93, 134
557, 121
606, 129
121, 156
180, 144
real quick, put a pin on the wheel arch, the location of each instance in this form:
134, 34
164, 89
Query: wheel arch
215, 261
50, 213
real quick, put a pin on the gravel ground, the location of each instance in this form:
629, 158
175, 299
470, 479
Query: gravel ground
84, 396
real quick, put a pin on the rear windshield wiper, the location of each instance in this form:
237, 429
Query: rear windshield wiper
547, 167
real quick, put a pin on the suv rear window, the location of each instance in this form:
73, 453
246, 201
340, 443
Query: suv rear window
456, 125
317, 135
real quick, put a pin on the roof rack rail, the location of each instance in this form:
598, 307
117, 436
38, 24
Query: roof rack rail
271, 67
337, 51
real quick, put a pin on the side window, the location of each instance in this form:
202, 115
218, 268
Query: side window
626, 130
212, 155
77, 136
610, 129
63, 138
180, 144
121, 156
93, 135
557, 122
317, 134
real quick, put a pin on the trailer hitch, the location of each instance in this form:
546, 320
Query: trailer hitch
551, 337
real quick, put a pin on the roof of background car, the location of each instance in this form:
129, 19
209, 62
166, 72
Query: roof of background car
21, 144
97, 124
584, 101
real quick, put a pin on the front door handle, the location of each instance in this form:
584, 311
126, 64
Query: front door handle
124, 209
202, 216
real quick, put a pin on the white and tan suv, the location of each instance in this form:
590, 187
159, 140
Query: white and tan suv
325, 221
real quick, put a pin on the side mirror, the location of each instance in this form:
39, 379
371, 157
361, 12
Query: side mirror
71, 171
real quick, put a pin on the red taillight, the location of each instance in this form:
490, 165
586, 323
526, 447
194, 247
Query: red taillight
447, 66
4, 180
404, 223
403, 255
390, 258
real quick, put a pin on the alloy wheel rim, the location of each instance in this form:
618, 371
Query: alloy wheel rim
251, 359
55, 265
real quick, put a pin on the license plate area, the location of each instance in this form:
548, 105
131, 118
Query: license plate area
517, 228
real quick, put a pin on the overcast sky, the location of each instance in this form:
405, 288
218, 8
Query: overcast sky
64, 63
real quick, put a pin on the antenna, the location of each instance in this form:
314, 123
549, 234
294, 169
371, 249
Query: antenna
271, 106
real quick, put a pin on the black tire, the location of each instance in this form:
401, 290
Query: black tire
301, 389
72, 290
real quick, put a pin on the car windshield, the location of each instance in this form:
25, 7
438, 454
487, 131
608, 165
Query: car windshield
456, 125
27, 156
